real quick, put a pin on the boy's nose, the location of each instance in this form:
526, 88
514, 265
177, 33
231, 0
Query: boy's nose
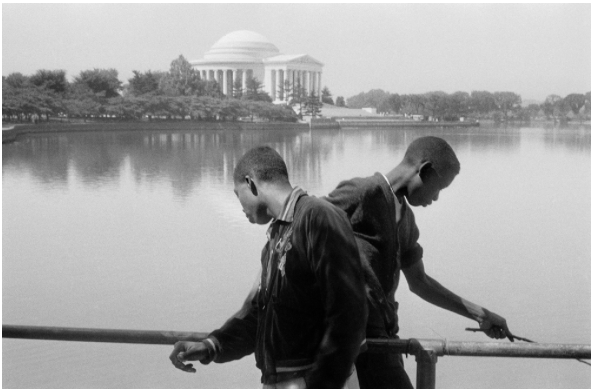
436, 196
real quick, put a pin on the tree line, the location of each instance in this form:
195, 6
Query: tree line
499, 106
178, 94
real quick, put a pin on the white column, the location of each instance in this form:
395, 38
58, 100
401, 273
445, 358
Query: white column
225, 81
281, 83
273, 84
244, 79
235, 75
319, 85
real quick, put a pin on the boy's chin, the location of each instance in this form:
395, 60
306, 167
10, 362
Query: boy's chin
262, 220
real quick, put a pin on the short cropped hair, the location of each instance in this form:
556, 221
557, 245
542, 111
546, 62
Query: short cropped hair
435, 150
263, 163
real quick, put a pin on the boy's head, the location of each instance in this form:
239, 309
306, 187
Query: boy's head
436, 151
436, 166
259, 167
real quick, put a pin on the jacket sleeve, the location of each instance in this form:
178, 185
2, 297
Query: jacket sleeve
236, 338
332, 252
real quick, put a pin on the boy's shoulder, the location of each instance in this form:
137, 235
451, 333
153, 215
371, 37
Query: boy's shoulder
317, 207
358, 186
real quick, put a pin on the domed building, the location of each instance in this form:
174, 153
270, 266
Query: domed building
243, 54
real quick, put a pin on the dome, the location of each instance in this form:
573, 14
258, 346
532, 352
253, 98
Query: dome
242, 45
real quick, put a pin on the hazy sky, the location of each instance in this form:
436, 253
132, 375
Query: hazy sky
531, 49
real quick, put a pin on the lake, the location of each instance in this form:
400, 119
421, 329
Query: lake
141, 230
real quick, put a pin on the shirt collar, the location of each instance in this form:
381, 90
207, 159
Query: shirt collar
287, 213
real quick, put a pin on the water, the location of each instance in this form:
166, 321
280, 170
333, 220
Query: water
141, 230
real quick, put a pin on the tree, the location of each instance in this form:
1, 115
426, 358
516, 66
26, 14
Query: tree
237, 88
507, 102
340, 102
436, 103
414, 103
298, 98
372, 99
288, 90
482, 102
326, 96
312, 105
254, 91
533, 110
575, 102
53, 80
232, 108
81, 101
27, 101
393, 103
144, 83
100, 81
16, 80
182, 78
458, 104
550, 104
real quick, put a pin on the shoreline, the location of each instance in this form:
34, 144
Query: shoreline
11, 131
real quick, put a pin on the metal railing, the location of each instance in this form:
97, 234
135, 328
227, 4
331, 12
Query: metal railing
426, 351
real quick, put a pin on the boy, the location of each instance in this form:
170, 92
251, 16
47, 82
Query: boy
306, 321
387, 236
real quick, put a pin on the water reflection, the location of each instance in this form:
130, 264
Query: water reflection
184, 158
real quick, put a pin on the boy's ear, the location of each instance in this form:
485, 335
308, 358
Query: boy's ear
251, 185
425, 170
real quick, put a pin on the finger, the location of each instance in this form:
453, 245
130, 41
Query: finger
186, 368
508, 333
500, 334
182, 366
189, 368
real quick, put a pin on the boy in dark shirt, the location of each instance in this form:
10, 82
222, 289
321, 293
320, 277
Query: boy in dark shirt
306, 320
387, 235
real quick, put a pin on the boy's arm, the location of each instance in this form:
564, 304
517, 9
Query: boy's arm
238, 334
432, 291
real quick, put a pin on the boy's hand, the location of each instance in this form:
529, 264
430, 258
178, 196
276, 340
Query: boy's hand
495, 326
188, 351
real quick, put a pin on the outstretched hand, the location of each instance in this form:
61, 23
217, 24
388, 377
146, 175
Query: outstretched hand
188, 351
495, 326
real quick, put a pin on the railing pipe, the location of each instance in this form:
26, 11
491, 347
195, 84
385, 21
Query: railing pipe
98, 335
426, 369
482, 349
426, 351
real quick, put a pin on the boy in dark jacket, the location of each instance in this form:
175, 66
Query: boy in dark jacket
387, 238
306, 320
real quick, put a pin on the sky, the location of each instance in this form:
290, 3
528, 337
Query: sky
531, 49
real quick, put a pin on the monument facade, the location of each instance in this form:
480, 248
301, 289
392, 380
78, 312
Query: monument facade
243, 54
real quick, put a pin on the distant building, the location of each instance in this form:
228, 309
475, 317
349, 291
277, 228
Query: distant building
370, 110
244, 53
